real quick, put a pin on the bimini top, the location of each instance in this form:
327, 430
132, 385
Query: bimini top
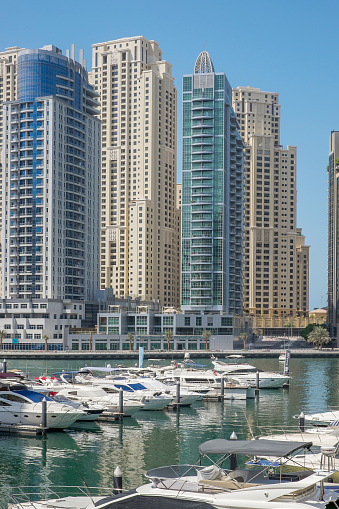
203, 64
278, 448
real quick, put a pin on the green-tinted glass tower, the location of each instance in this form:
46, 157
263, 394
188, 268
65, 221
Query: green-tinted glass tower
212, 194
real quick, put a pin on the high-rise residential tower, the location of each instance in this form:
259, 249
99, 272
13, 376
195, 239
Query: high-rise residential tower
50, 182
140, 224
8, 92
212, 194
276, 260
333, 238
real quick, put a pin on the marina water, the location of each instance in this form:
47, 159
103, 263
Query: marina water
91, 451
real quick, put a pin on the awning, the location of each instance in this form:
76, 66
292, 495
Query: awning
252, 447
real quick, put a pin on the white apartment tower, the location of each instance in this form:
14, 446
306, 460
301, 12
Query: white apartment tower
140, 223
50, 177
276, 260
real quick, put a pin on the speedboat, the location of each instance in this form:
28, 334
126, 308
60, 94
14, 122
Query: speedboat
324, 440
246, 373
282, 357
214, 487
328, 418
23, 406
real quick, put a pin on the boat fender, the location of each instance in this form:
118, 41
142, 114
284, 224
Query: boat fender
215, 373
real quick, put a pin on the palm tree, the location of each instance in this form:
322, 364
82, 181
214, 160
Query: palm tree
206, 335
168, 335
243, 336
45, 337
130, 337
319, 336
3, 334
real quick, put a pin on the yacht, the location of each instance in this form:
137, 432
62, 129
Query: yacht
327, 418
206, 382
246, 373
213, 487
108, 400
23, 406
282, 357
323, 439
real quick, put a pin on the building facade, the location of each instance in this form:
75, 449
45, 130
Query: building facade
140, 224
276, 259
212, 194
8, 92
333, 240
50, 189
128, 326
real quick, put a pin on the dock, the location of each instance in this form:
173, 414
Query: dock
21, 429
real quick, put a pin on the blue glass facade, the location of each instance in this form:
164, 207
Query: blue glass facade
212, 195
43, 73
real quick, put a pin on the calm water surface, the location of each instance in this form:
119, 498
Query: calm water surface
91, 451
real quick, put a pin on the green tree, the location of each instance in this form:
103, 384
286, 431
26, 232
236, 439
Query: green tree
309, 328
206, 334
3, 334
130, 338
319, 336
168, 335
45, 337
243, 336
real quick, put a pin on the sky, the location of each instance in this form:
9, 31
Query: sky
288, 47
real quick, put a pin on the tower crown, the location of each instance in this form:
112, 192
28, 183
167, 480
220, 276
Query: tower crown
203, 63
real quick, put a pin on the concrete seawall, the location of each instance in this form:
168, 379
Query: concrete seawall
156, 354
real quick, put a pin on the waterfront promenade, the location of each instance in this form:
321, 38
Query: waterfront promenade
171, 354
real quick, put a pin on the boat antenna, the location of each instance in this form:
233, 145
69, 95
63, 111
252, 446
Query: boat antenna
87, 488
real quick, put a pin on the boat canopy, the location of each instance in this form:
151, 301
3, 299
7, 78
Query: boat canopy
106, 369
34, 396
278, 448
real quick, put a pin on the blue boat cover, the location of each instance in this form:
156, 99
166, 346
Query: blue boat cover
34, 396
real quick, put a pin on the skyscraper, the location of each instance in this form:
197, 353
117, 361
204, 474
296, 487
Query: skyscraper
140, 224
333, 240
212, 193
276, 259
8, 92
50, 181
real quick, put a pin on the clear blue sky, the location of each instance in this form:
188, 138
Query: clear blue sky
285, 47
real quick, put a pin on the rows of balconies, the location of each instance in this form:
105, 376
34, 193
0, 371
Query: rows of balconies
198, 174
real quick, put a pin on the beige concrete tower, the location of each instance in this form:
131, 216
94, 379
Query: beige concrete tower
8, 73
276, 261
8, 92
140, 242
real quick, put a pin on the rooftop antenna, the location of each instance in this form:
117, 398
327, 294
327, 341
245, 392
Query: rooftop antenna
321, 302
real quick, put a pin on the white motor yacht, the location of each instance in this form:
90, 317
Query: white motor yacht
151, 399
206, 382
94, 395
323, 439
328, 418
23, 406
187, 396
246, 373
